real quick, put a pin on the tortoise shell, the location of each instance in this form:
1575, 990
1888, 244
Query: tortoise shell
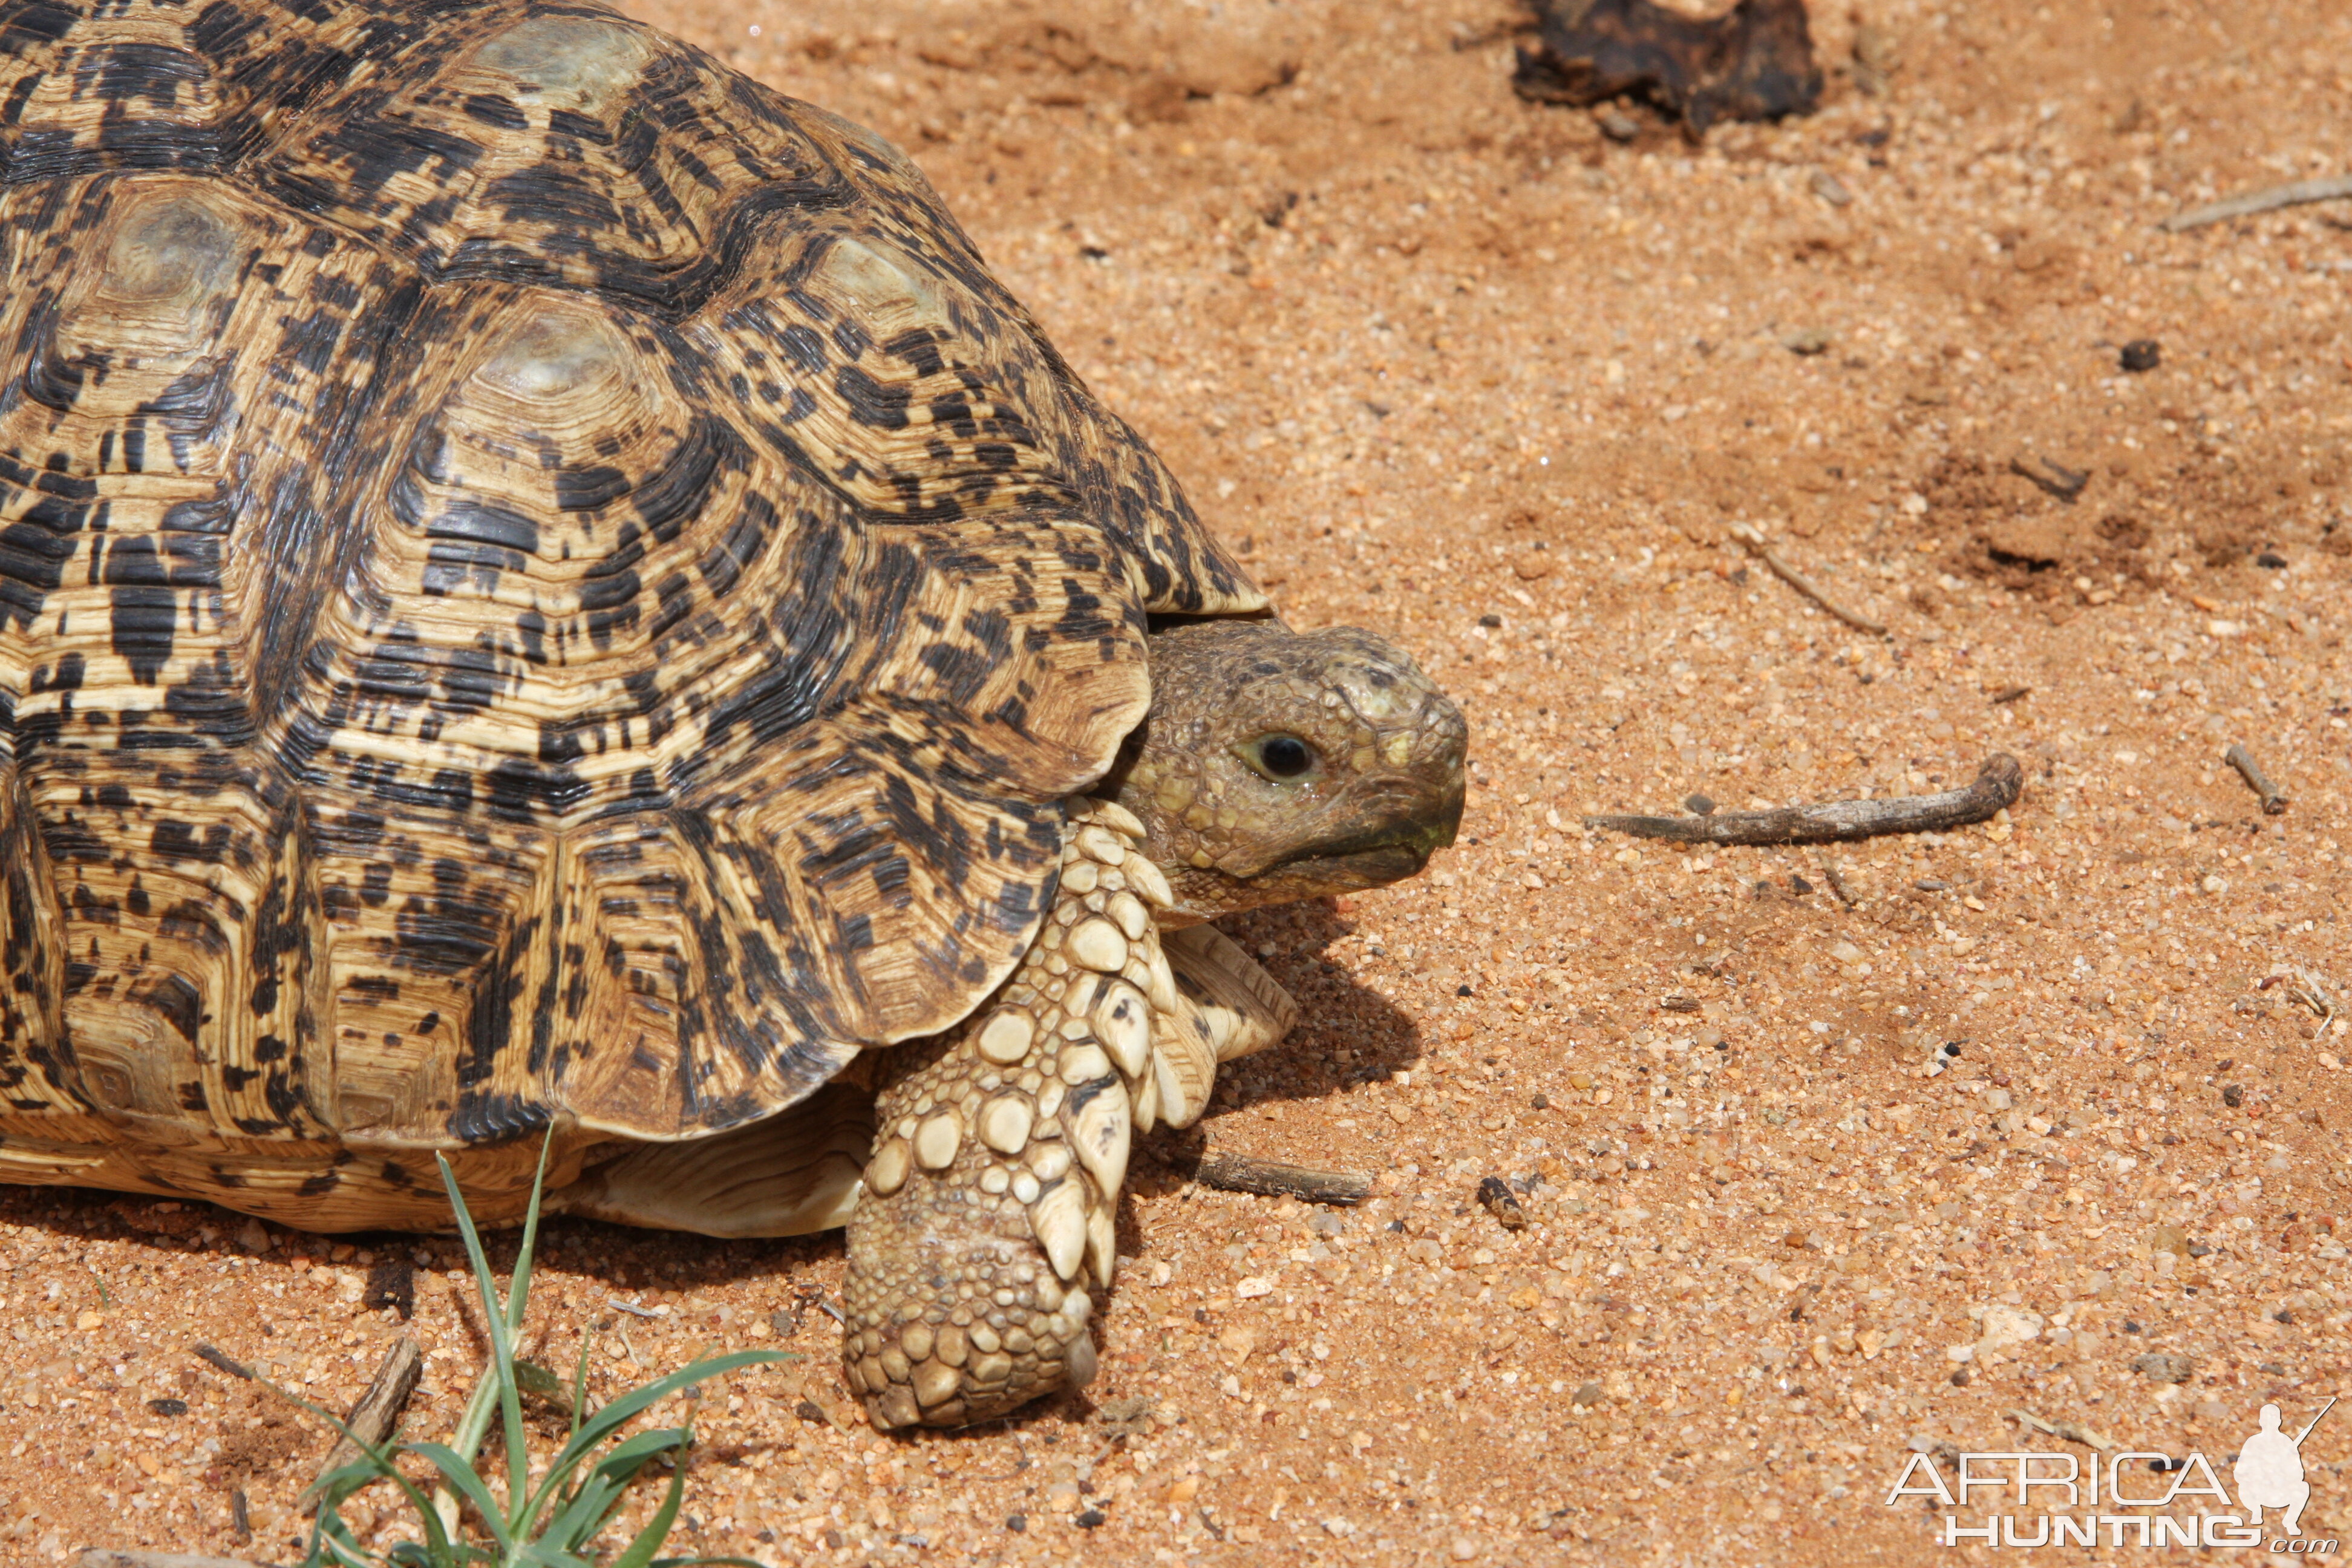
539, 579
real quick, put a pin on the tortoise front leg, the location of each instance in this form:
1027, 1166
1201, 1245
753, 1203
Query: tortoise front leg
987, 1218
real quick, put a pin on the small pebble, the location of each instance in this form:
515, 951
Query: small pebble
1699, 805
2141, 355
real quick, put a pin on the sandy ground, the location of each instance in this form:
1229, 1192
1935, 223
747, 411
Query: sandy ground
1800, 1171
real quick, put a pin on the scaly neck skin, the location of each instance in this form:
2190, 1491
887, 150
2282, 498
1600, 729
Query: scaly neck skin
1278, 765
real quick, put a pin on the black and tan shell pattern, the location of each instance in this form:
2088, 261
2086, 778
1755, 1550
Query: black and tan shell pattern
538, 578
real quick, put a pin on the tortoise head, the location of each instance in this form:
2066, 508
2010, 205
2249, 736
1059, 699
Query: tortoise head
1278, 765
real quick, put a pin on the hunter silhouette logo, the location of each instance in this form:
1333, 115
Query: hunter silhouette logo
2062, 1499
2269, 1472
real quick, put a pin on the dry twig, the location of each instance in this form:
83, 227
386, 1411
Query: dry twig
1754, 538
2054, 479
2296, 194
2307, 989
1272, 1179
1996, 787
1836, 876
215, 1357
377, 1412
2237, 757
2070, 1431
108, 1557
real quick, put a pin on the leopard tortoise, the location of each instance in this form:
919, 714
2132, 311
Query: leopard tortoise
548, 596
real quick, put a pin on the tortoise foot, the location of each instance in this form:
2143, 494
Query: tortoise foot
986, 1216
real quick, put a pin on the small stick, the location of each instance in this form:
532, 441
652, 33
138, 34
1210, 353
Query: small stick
2071, 1430
2298, 193
1996, 788
2251, 770
2050, 479
109, 1557
2307, 990
1804, 584
377, 1413
1837, 883
236, 1369
1272, 1179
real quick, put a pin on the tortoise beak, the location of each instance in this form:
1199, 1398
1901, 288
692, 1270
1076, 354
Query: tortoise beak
1392, 838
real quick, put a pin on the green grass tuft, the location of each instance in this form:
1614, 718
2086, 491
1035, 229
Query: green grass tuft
559, 1523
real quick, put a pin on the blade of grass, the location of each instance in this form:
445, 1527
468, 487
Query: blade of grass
347, 1556
468, 1483
584, 1514
609, 1419
502, 1355
648, 1540
519, 1289
588, 1434
612, 1415
580, 1386
375, 1463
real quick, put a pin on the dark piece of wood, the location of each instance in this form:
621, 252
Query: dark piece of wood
2050, 479
392, 1283
377, 1412
226, 1364
1272, 1179
1996, 787
109, 1557
1754, 62
2273, 801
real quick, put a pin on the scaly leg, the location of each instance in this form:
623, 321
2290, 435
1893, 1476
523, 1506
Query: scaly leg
987, 1215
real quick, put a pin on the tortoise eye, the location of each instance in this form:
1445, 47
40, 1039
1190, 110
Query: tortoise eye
1280, 757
